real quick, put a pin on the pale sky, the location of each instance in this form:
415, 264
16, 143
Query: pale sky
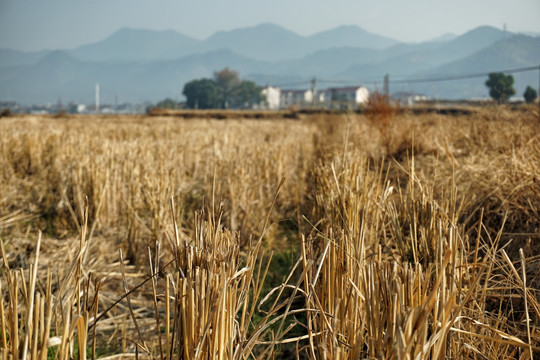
59, 24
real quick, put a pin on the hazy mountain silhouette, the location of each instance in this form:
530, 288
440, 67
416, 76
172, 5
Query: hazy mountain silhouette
60, 75
350, 36
444, 37
10, 57
270, 42
264, 42
267, 42
138, 65
134, 45
56, 75
514, 52
329, 61
518, 51
406, 59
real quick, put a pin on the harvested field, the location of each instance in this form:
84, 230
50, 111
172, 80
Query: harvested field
387, 235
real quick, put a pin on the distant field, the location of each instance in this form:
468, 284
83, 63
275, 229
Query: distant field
385, 235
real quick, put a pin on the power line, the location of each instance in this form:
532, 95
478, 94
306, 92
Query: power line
435, 78
462, 76
293, 84
348, 82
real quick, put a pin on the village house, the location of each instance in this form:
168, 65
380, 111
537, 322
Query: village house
272, 97
334, 98
349, 97
299, 98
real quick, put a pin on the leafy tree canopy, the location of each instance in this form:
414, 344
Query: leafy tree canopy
529, 95
227, 82
501, 86
167, 104
247, 94
201, 94
225, 90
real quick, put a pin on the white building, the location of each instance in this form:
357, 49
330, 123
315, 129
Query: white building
298, 98
408, 97
80, 108
272, 95
338, 98
350, 96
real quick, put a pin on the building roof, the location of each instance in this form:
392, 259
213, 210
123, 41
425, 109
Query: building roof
294, 91
344, 88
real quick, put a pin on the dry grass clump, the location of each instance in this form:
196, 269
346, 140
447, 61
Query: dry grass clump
42, 313
501, 172
5, 113
130, 169
204, 298
382, 115
202, 301
395, 275
406, 236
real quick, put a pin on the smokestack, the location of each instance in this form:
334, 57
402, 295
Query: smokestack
97, 97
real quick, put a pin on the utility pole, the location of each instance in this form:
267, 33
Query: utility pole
386, 87
97, 97
313, 90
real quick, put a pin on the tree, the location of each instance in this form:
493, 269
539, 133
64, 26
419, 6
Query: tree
500, 86
247, 94
201, 94
529, 95
227, 83
168, 103
224, 91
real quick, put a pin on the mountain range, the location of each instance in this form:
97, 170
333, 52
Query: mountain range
134, 65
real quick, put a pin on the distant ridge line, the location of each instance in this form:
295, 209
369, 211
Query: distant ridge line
435, 78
